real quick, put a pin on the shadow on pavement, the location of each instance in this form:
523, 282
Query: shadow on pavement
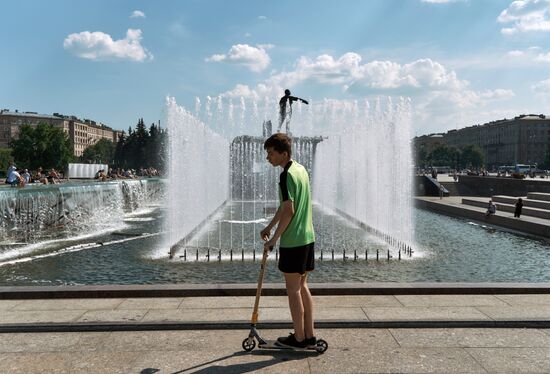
247, 367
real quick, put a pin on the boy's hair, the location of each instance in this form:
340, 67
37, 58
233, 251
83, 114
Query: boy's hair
279, 142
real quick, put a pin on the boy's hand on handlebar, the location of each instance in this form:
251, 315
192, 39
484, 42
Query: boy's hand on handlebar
265, 234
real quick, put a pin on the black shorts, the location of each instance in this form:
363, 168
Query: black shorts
297, 259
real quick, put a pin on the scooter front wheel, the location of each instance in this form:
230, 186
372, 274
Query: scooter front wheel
321, 346
249, 344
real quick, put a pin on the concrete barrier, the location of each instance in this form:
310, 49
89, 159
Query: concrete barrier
477, 214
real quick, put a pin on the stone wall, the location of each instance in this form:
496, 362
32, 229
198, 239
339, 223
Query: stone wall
489, 186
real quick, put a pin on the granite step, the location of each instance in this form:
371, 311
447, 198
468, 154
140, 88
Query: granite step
527, 202
538, 196
509, 208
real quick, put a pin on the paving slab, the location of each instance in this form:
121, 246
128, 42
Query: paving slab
8, 304
524, 300
355, 301
541, 312
513, 360
395, 360
52, 342
42, 316
73, 362
113, 316
354, 338
233, 302
151, 303
460, 337
68, 304
340, 314
190, 341
450, 300
202, 315
425, 314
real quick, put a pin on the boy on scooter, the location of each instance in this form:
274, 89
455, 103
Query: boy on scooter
295, 230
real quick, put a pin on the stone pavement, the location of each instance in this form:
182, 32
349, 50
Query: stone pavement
219, 351
351, 350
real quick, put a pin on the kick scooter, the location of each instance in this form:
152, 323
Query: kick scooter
250, 342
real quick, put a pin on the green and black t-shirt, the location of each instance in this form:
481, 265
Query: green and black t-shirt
294, 185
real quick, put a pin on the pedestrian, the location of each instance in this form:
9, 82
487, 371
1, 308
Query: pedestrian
14, 178
491, 209
40, 176
53, 176
26, 176
519, 206
295, 230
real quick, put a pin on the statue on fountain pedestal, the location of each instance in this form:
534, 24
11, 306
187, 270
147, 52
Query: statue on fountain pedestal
285, 112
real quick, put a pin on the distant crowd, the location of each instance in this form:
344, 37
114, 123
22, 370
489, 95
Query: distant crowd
118, 173
20, 177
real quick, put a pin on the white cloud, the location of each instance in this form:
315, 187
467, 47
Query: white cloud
525, 16
542, 87
516, 53
262, 17
349, 71
254, 58
100, 46
440, 98
531, 54
497, 94
137, 14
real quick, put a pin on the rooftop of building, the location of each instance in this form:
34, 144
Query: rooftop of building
521, 117
57, 116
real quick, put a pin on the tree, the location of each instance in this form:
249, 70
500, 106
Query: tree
43, 145
546, 163
440, 156
141, 158
6, 159
119, 151
142, 147
101, 152
420, 156
472, 156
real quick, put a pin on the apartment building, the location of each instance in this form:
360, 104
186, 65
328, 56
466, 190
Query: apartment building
83, 133
521, 140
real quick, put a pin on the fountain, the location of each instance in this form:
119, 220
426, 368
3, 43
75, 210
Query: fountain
223, 192
359, 163
35, 218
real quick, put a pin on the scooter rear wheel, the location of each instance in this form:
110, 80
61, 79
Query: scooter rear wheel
249, 344
322, 346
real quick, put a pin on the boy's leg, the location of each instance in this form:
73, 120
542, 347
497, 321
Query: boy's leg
307, 301
293, 288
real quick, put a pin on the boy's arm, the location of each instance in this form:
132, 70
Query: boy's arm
266, 232
276, 218
287, 212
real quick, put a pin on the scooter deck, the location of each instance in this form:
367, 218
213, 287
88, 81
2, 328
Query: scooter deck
273, 344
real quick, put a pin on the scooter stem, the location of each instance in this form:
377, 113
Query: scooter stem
254, 319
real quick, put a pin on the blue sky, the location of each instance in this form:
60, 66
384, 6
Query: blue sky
461, 62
